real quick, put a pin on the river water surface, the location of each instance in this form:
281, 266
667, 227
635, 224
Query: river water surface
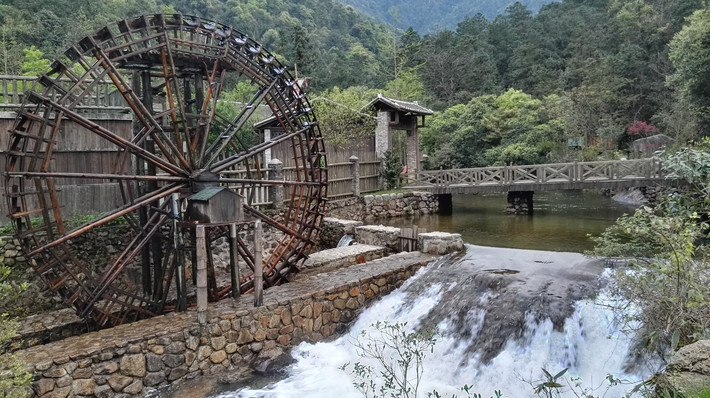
561, 220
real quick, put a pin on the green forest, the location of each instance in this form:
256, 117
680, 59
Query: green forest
516, 89
432, 16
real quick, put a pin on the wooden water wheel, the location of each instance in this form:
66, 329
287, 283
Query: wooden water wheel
168, 71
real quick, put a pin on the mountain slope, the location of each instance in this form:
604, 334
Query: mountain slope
427, 16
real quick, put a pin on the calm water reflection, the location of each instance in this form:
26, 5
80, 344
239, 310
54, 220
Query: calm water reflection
561, 222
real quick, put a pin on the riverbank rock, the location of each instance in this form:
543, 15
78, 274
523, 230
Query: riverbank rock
689, 369
630, 196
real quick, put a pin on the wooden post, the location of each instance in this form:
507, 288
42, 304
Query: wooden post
258, 266
355, 174
276, 192
179, 259
234, 261
201, 250
575, 175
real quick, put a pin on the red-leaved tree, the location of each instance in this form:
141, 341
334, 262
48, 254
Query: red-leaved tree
641, 129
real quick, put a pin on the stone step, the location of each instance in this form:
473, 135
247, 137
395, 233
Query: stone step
340, 257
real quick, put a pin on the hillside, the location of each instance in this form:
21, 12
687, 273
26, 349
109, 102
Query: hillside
427, 16
319, 36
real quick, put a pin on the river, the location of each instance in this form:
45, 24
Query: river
503, 313
561, 220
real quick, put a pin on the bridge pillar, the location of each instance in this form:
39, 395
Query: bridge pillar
520, 202
446, 206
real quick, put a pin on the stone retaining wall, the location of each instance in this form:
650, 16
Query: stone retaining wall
378, 235
400, 204
330, 259
130, 360
386, 205
350, 208
649, 195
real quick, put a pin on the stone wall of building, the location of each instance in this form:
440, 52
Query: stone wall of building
130, 360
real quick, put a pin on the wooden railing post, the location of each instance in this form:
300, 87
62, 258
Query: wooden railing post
575, 175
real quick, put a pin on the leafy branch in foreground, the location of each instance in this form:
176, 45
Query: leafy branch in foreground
399, 355
668, 280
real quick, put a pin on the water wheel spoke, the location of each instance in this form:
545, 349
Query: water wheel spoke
177, 114
111, 137
129, 253
237, 123
257, 182
230, 161
144, 115
283, 228
208, 110
98, 176
125, 209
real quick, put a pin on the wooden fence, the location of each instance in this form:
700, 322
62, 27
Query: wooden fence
340, 178
102, 94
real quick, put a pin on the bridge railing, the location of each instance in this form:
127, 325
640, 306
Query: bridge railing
649, 168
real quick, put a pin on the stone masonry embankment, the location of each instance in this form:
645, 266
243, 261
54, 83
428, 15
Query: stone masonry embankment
131, 359
385, 205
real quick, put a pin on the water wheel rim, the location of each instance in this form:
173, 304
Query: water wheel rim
176, 46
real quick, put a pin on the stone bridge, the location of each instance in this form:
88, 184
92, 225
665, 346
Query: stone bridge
520, 182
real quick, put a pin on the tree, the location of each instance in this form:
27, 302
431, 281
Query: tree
340, 116
407, 86
690, 56
34, 63
670, 267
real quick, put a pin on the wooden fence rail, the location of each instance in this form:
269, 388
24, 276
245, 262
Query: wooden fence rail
102, 94
339, 181
537, 175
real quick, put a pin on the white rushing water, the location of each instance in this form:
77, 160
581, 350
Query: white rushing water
589, 344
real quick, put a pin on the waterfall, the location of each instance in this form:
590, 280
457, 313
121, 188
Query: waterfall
346, 240
503, 315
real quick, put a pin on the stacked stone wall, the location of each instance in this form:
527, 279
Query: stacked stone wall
130, 360
383, 206
400, 204
350, 208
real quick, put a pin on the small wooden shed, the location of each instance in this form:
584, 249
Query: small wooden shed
215, 205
